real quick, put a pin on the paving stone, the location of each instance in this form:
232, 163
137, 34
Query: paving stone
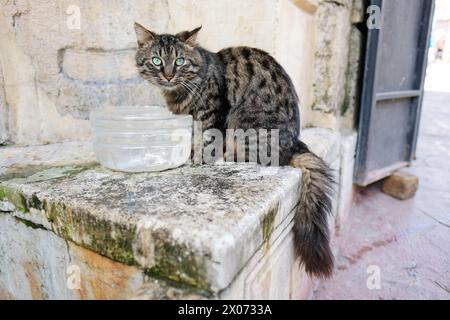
401, 185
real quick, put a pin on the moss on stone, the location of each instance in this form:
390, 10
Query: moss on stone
178, 264
109, 239
118, 247
15, 197
268, 224
56, 215
30, 174
185, 288
36, 173
35, 202
2, 192
54, 173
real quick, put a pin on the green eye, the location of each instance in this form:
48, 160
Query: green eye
156, 61
179, 61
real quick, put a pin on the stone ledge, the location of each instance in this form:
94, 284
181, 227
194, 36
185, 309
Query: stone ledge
202, 227
193, 225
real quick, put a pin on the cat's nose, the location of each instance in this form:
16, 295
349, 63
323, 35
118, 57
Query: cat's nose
168, 76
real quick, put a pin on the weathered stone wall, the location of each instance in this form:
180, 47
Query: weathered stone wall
331, 56
56, 70
37, 264
3, 112
353, 83
337, 64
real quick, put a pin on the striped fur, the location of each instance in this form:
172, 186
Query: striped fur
311, 232
245, 88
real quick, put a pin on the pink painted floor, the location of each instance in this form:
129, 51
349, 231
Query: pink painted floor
401, 248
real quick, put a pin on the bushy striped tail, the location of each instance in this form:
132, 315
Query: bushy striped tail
311, 231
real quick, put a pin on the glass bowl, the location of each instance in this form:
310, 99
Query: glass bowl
140, 139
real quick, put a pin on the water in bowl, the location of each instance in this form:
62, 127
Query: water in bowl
140, 139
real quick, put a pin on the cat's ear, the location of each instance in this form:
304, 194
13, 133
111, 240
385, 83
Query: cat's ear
189, 37
143, 35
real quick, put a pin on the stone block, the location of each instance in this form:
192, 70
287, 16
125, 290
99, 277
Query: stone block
357, 11
347, 154
222, 231
3, 111
196, 225
401, 185
352, 90
331, 59
37, 264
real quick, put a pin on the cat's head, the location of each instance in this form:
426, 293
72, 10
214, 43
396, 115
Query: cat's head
165, 60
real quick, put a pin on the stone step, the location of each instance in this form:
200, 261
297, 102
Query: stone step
193, 225
221, 230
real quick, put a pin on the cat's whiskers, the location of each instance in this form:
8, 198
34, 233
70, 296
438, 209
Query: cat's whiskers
195, 93
194, 89
187, 101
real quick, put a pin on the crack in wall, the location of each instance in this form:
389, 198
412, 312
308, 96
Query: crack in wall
335, 3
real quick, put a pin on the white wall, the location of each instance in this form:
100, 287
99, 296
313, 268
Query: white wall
55, 73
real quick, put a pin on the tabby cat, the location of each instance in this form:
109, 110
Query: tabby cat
243, 88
